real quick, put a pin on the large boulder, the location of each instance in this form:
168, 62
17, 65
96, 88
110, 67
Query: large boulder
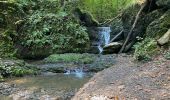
85, 18
33, 53
163, 3
113, 47
159, 26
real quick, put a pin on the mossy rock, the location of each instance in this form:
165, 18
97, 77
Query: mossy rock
163, 3
85, 18
33, 53
146, 49
70, 57
159, 26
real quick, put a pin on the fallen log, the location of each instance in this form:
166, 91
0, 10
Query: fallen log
120, 33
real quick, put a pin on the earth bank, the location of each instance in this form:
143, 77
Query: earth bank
129, 80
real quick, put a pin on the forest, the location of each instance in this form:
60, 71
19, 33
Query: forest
84, 49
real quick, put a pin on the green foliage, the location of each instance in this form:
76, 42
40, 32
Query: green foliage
37, 24
105, 9
7, 69
71, 57
146, 49
58, 31
7, 50
10, 12
6, 44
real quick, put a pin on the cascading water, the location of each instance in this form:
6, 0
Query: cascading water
104, 37
77, 72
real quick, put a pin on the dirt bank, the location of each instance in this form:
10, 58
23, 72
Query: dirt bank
127, 80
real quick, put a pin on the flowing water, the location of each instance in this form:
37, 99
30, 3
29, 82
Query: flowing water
60, 85
104, 37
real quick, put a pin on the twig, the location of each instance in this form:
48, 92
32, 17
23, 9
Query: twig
110, 20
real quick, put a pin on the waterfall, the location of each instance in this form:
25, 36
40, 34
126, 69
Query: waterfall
104, 37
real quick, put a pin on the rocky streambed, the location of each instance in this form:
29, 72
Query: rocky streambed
58, 79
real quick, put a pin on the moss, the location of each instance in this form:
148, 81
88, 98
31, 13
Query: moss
85, 17
159, 26
16, 68
163, 3
70, 57
146, 49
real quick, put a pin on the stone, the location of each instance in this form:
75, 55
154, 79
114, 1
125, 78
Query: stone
94, 49
32, 53
113, 47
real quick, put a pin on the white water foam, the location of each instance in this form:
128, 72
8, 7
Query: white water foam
104, 37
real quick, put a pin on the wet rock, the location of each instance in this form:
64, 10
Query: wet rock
94, 49
102, 62
7, 89
113, 47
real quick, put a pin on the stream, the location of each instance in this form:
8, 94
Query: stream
56, 85
46, 87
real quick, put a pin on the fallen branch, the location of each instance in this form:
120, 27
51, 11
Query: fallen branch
165, 38
110, 20
120, 33
133, 26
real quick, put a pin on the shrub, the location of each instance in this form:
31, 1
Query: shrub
146, 49
7, 69
57, 31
